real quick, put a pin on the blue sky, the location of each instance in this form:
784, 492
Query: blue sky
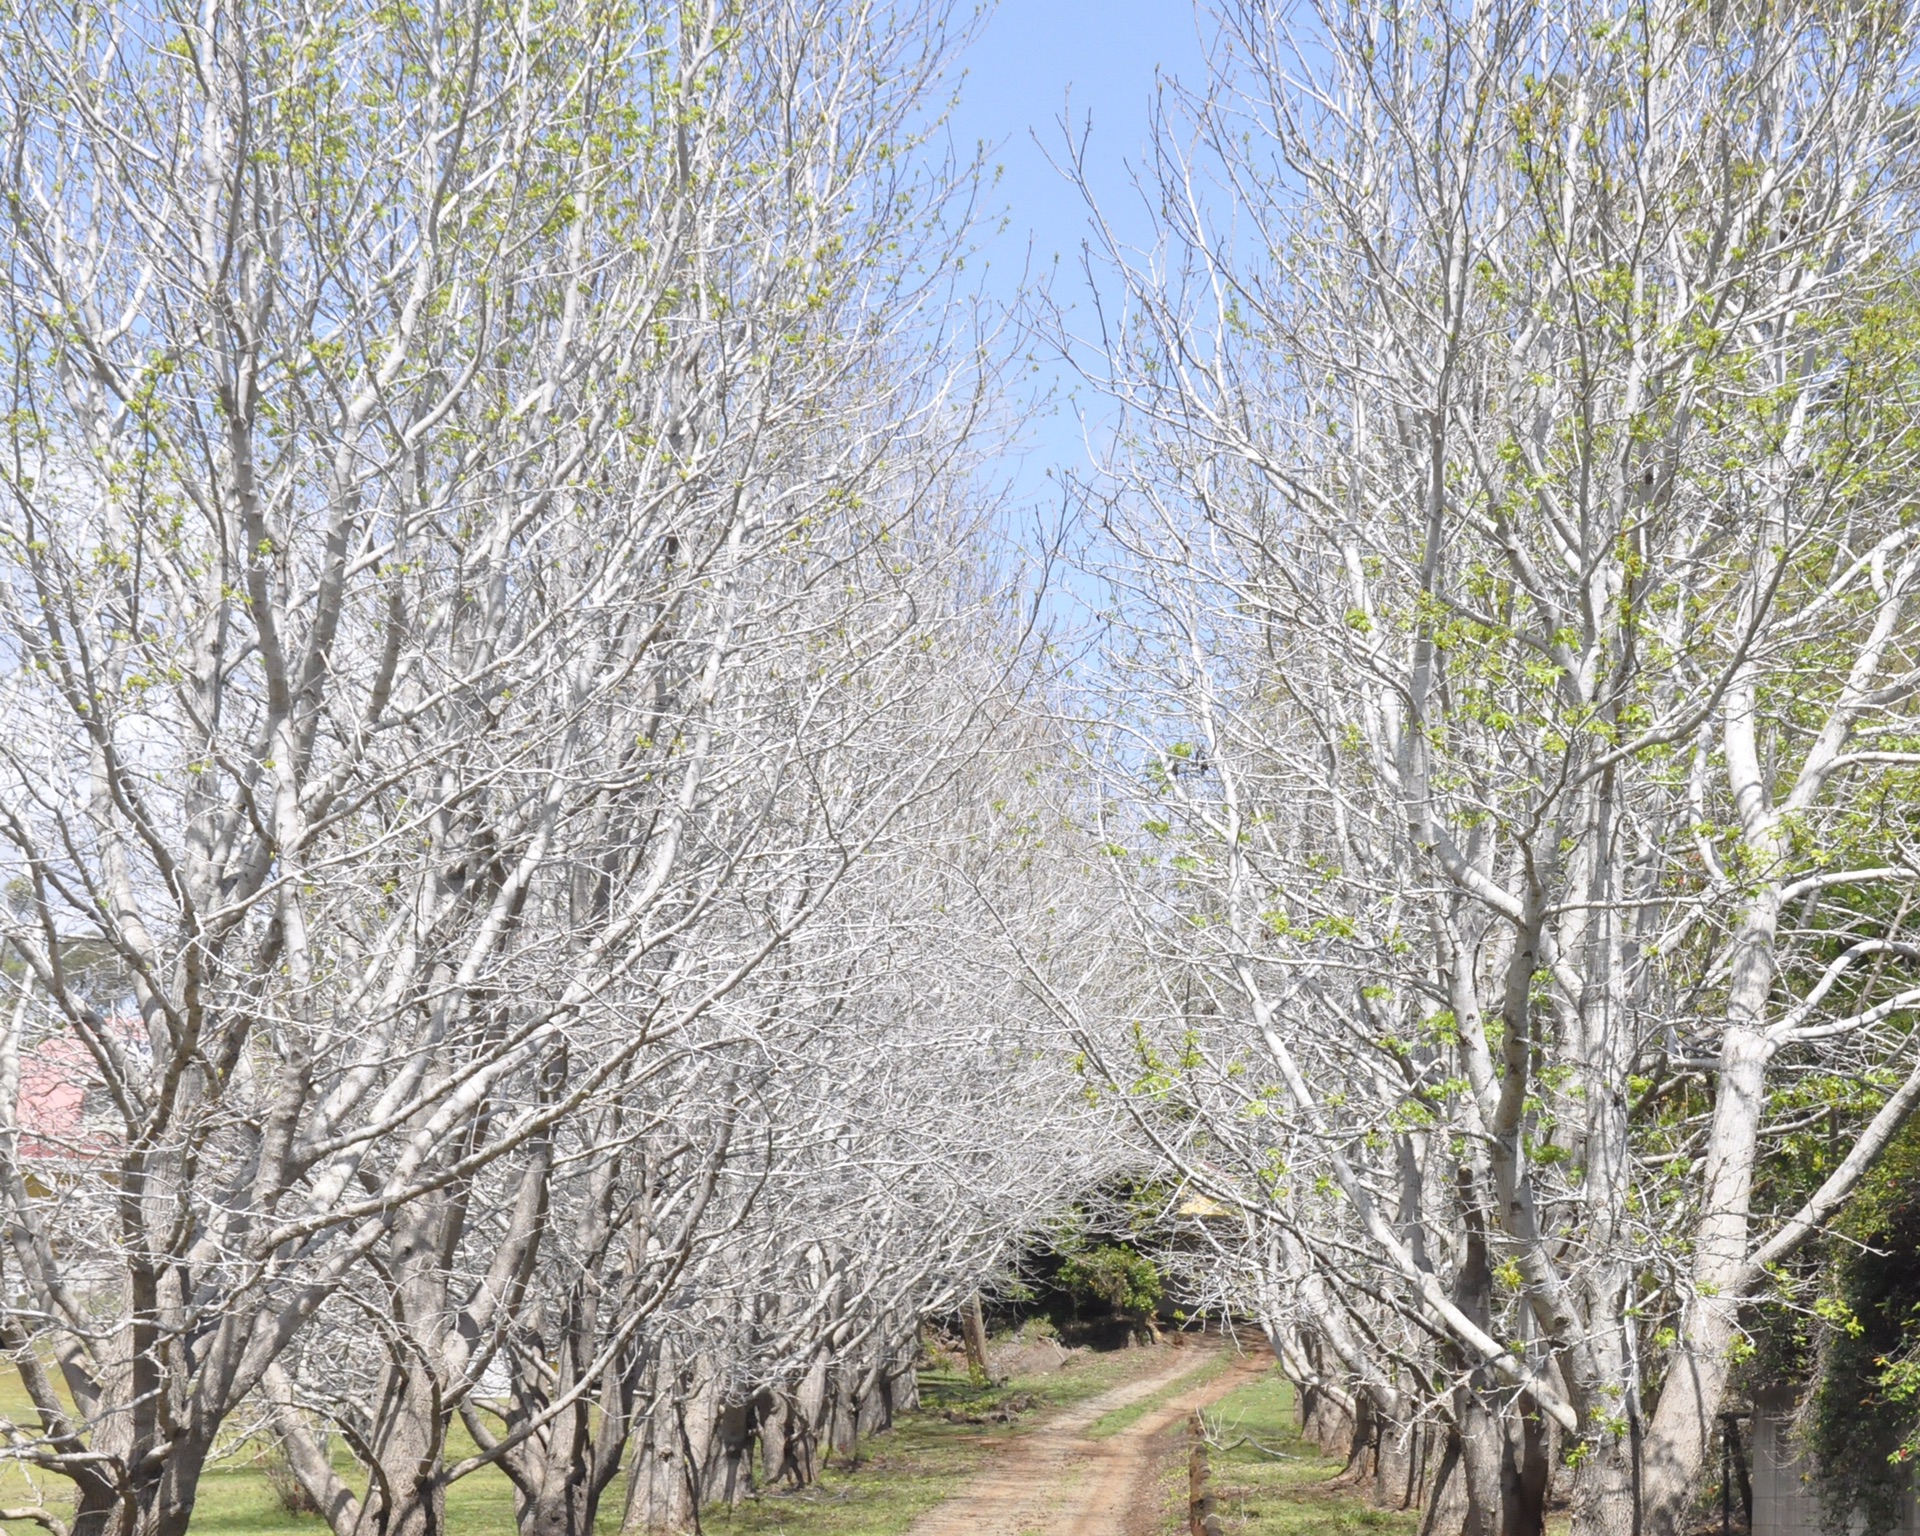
1036, 62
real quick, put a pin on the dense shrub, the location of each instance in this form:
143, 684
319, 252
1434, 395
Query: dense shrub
1863, 1424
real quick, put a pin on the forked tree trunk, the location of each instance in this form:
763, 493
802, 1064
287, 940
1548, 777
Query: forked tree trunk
778, 1462
843, 1411
673, 1455
405, 1495
658, 1488
973, 1331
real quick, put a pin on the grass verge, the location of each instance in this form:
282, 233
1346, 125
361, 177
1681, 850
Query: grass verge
1260, 1495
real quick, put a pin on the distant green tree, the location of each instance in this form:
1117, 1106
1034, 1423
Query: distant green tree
1119, 1278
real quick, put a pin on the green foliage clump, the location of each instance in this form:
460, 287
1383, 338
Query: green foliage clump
1123, 1280
1864, 1424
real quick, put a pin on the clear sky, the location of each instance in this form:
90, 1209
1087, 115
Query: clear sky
1037, 62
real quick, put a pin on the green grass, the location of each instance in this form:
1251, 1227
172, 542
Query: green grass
1121, 1418
235, 1499
1257, 1495
900, 1474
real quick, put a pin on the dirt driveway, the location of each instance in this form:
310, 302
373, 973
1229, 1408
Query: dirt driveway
1054, 1481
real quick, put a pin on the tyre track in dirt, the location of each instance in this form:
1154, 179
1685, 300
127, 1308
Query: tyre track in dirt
1055, 1481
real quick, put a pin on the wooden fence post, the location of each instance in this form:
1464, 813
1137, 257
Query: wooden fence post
1201, 1520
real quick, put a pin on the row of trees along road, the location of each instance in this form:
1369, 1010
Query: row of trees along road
1507, 770
540, 932
507, 711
